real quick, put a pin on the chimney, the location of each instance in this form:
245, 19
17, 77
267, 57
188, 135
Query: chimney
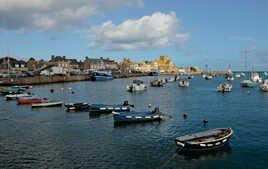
64, 58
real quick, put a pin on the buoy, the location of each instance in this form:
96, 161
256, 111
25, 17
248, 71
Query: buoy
52, 90
149, 105
145, 87
185, 114
30, 87
205, 121
73, 92
46, 98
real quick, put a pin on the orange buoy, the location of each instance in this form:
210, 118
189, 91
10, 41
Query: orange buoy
185, 114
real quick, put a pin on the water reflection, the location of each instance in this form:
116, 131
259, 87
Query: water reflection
125, 124
222, 153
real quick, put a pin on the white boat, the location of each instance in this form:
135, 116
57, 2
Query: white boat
136, 86
225, 87
183, 83
230, 78
264, 86
237, 75
265, 73
243, 74
247, 83
255, 77
16, 96
47, 104
208, 77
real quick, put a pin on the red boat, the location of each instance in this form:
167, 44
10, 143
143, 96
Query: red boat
29, 100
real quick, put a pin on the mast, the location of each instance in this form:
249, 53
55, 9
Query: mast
246, 62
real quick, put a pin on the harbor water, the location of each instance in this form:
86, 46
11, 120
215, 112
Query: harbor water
54, 138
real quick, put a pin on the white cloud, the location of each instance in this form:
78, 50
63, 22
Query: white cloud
45, 15
156, 31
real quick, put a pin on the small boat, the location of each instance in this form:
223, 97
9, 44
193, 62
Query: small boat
190, 76
137, 116
183, 83
237, 75
265, 73
229, 77
108, 108
154, 73
243, 74
102, 76
12, 90
225, 87
16, 96
157, 83
264, 86
208, 77
255, 77
47, 104
136, 86
77, 106
247, 83
29, 99
206, 140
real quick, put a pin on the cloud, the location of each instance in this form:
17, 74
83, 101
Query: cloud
46, 15
156, 31
239, 38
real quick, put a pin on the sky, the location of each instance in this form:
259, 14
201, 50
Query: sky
190, 32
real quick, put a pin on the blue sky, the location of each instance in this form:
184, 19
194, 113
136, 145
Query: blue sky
190, 32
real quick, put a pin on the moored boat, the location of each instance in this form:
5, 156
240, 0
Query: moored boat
16, 96
265, 73
183, 83
102, 76
264, 86
12, 90
206, 140
29, 99
108, 108
136, 86
157, 83
77, 106
247, 83
137, 116
47, 104
208, 77
225, 87
255, 77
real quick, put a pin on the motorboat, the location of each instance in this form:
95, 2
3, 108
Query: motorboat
247, 83
12, 90
208, 77
264, 86
136, 86
243, 74
265, 73
224, 87
237, 75
137, 116
255, 77
205, 140
183, 83
100, 76
157, 83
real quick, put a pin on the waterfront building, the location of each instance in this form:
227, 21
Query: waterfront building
99, 64
12, 64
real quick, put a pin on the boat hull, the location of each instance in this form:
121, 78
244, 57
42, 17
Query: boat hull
77, 107
49, 104
102, 108
129, 117
102, 78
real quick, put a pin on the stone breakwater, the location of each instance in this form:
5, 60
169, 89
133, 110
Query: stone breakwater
44, 79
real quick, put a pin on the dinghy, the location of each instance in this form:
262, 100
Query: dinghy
47, 104
137, 116
206, 140
109, 108
77, 106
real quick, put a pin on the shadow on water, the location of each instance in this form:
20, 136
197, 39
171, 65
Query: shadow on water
127, 124
95, 115
222, 152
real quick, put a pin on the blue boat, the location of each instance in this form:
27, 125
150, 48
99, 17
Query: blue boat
13, 90
138, 116
154, 73
109, 108
102, 76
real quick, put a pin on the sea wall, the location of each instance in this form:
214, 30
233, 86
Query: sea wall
44, 79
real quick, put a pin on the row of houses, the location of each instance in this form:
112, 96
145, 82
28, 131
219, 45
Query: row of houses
63, 65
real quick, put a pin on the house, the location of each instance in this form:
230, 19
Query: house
12, 64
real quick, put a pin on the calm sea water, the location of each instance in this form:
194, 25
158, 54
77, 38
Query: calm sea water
53, 138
